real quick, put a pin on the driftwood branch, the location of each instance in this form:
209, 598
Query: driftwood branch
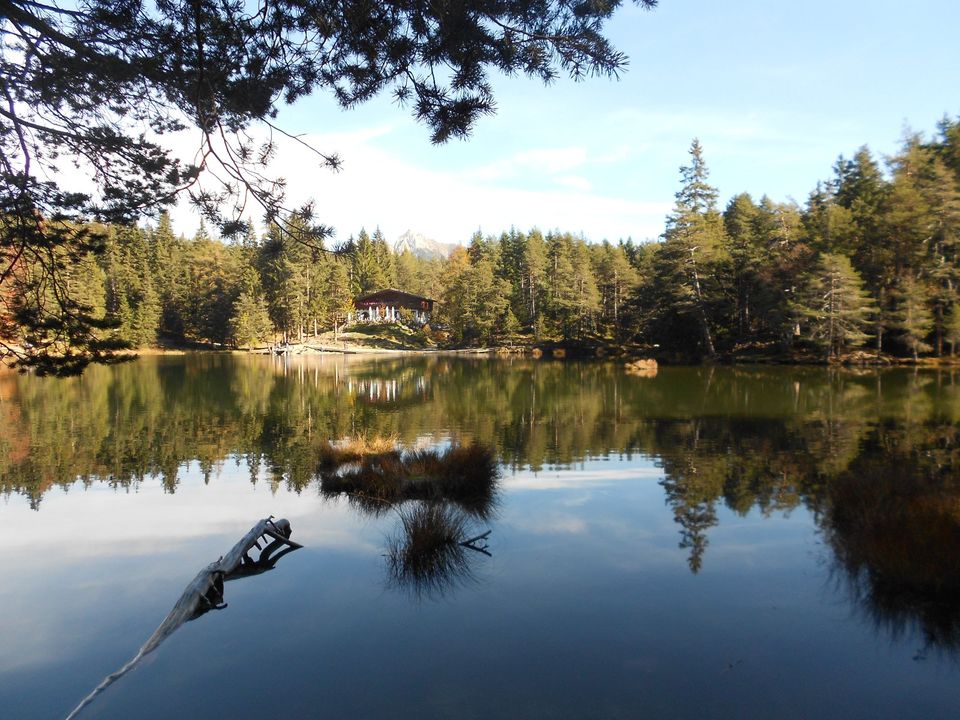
472, 543
205, 591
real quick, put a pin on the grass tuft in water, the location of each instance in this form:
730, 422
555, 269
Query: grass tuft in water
464, 475
430, 555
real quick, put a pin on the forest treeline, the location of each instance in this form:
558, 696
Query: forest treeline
869, 262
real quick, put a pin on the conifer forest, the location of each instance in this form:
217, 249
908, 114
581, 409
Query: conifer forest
868, 264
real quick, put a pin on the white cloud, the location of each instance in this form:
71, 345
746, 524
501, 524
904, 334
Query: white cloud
543, 161
227, 507
576, 478
377, 187
551, 524
574, 182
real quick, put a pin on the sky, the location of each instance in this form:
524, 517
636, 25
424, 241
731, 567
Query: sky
775, 91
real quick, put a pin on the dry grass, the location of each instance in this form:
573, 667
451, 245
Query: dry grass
464, 475
436, 493
428, 557
355, 449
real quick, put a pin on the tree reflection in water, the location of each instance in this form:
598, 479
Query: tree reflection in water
893, 524
438, 495
872, 456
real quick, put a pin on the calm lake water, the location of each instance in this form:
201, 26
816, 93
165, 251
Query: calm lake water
704, 543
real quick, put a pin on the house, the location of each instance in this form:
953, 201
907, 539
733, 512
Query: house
385, 306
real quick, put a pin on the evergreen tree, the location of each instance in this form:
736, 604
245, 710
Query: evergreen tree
339, 294
913, 318
535, 264
478, 303
834, 305
585, 285
250, 320
368, 274
745, 252
616, 279
692, 248
292, 283
787, 257
167, 261
561, 308
131, 300
952, 329
385, 259
408, 272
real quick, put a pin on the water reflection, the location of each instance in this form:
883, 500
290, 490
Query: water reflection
437, 494
433, 552
465, 476
893, 522
872, 456
268, 540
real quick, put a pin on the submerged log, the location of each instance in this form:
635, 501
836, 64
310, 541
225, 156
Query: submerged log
205, 591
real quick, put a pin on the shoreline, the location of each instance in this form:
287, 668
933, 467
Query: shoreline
600, 353
549, 351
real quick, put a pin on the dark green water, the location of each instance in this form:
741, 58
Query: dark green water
706, 543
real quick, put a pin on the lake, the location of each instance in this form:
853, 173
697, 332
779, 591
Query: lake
693, 543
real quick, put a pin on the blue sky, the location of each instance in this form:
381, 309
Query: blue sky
774, 90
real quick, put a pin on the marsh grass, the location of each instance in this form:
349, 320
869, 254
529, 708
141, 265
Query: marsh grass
464, 475
355, 449
436, 494
429, 556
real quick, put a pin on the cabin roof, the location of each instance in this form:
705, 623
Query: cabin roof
391, 294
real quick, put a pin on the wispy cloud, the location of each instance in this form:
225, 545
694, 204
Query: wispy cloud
542, 161
571, 479
378, 187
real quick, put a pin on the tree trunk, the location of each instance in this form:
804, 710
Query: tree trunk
939, 330
880, 295
704, 323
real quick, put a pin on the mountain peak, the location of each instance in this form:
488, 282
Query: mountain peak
422, 246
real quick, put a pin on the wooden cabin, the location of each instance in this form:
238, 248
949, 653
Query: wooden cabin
384, 306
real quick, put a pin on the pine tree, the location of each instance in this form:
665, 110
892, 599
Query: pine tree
940, 187
786, 257
292, 283
913, 317
368, 274
408, 272
478, 302
834, 306
385, 258
131, 300
587, 296
534, 272
740, 221
692, 248
250, 320
616, 279
169, 269
340, 296
561, 307
952, 329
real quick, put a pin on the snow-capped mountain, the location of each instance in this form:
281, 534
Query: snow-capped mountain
422, 246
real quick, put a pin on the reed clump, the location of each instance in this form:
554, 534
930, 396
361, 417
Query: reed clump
355, 449
464, 475
428, 555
